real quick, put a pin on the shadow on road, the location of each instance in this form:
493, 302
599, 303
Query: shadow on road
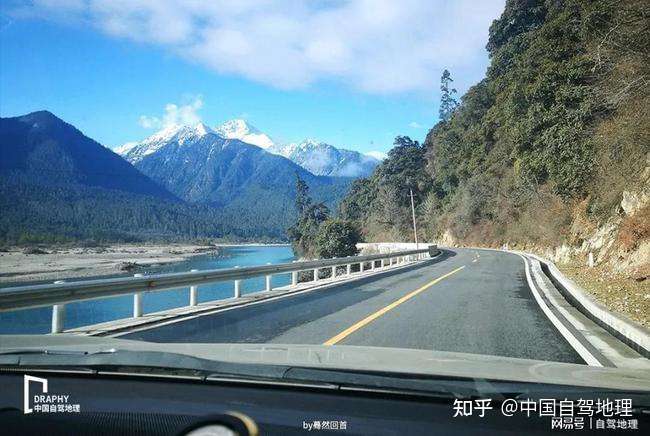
444, 255
260, 323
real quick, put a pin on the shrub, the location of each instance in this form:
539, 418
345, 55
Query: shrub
336, 238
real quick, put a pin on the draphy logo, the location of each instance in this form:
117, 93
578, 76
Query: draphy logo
44, 402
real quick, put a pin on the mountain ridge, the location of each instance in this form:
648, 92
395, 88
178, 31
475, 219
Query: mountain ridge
242, 130
315, 156
203, 167
51, 151
56, 185
324, 159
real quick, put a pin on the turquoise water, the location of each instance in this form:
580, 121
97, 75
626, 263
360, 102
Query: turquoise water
95, 311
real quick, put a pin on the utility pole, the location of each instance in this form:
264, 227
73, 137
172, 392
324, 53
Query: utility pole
415, 228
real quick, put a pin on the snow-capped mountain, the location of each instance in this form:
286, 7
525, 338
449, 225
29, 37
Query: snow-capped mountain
253, 185
326, 160
315, 156
178, 134
240, 129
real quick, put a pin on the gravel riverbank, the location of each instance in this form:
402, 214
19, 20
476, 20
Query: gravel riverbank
57, 263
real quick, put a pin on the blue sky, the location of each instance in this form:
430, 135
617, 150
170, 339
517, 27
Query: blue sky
353, 74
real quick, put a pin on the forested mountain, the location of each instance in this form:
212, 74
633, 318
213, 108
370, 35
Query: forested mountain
50, 152
242, 180
57, 184
543, 149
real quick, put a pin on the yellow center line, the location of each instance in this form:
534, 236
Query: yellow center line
347, 332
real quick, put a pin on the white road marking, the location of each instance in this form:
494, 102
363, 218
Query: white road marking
566, 333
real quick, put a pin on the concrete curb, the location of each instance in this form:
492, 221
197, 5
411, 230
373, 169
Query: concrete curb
632, 334
550, 308
624, 329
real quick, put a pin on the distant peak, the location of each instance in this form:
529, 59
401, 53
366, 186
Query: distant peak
42, 113
237, 126
178, 133
203, 129
169, 130
311, 141
179, 130
245, 132
40, 116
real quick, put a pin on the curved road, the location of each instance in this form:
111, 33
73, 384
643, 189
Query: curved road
472, 301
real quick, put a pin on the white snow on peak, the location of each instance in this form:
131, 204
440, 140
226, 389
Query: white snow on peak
326, 160
125, 148
316, 156
240, 129
175, 133
179, 133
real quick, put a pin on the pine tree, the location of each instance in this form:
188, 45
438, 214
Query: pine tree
447, 101
303, 201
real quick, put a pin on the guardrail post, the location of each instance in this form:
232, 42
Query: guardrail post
269, 286
58, 318
334, 272
348, 269
194, 292
58, 314
137, 301
360, 266
237, 286
315, 274
294, 276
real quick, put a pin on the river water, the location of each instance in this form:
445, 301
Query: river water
95, 311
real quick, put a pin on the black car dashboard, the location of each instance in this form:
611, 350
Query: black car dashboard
122, 404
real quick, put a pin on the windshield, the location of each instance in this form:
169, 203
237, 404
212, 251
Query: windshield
449, 198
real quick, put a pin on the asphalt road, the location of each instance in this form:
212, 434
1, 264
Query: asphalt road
473, 301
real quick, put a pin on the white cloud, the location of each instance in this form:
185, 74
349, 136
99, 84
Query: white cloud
376, 46
380, 155
186, 114
149, 122
415, 125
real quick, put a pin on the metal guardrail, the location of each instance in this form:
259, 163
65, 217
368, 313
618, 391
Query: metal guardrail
59, 293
